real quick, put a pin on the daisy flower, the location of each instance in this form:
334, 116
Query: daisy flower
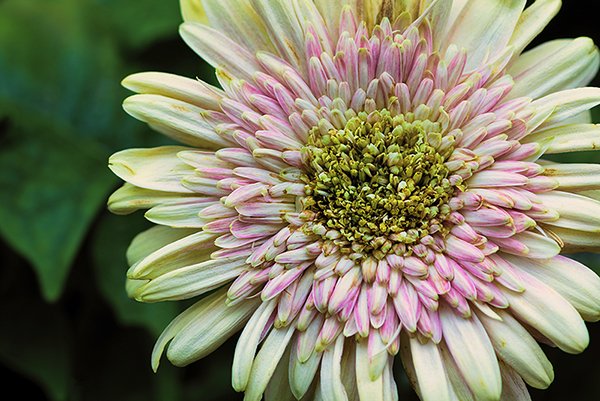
367, 183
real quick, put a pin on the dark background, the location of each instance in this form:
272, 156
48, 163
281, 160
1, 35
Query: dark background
67, 330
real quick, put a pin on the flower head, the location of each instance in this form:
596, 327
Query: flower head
368, 182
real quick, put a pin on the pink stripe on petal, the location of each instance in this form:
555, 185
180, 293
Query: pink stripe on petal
462, 250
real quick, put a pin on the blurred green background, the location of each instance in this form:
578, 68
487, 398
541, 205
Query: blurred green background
67, 329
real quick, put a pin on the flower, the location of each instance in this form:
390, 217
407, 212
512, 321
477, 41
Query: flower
368, 182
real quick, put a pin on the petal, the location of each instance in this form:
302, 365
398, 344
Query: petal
211, 326
473, 353
266, 361
129, 199
179, 120
572, 280
250, 31
485, 27
180, 213
513, 388
566, 104
191, 281
574, 176
248, 343
158, 169
576, 212
548, 312
532, 21
284, 30
192, 10
569, 138
515, 346
332, 388
570, 66
151, 240
194, 248
430, 371
187, 90
368, 389
219, 51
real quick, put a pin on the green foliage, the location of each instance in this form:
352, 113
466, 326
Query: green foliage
109, 244
77, 336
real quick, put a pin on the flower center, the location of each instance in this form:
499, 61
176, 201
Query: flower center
378, 182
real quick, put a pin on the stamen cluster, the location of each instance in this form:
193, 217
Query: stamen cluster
379, 181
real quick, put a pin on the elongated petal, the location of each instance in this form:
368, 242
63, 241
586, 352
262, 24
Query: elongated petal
485, 27
191, 281
266, 361
576, 212
248, 344
473, 352
368, 389
532, 21
430, 371
219, 51
575, 177
210, 327
548, 312
180, 120
192, 10
194, 248
332, 388
513, 388
187, 90
157, 169
572, 280
566, 104
568, 67
569, 138
518, 349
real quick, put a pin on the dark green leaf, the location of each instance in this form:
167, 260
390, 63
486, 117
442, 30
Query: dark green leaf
110, 242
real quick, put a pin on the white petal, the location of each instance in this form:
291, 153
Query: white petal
179, 120
548, 312
266, 361
332, 388
250, 31
429, 368
472, 350
572, 280
566, 104
302, 374
574, 176
181, 321
194, 248
191, 281
151, 240
576, 212
158, 169
368, 389
130, 198
192, 11
485, 27
219, 51
181, 213
569, 66
569, 138
513, 388
188, 90
577, 241
533, 20
515, 346
212, 324
278, 388
248, 344
284, 30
